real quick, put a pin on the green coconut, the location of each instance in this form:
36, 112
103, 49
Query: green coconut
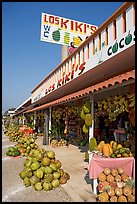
85, 128
92, 144
82, 114
88, 119
87, 107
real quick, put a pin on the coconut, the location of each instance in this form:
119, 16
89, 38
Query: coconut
23, 174
27, 182
35, 165
38, 186
58, 163
34, 180
55, 183
53, 166
45, 161
47, 186
48, 177
56, 175
48, 170
51, 154
39, 173
63, 180
61, 171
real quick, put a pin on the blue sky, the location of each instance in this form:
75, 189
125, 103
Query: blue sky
26, 61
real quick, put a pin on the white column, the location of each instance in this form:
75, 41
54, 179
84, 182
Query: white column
46, 128
23, 119
34, 120
50, 118
91, 129
64, 52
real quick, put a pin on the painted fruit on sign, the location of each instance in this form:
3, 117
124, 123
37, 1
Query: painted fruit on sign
56, 35
128, 38
66, 38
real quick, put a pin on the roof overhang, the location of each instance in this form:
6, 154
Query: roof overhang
122, 79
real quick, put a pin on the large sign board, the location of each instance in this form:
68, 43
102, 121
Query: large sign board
63, 31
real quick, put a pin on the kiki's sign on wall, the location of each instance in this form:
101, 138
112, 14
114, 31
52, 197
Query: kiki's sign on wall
63, 31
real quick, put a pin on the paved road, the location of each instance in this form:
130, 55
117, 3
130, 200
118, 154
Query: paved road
77, 189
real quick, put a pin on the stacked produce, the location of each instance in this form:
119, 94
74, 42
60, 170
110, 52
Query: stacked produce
14, 133
113, 106
61, 142
86, 116
114, 185
12, 151
25, 145
43, 171
113, 149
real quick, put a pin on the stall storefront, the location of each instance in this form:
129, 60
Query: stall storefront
101, 71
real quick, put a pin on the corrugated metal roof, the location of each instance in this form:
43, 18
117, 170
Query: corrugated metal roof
105, 84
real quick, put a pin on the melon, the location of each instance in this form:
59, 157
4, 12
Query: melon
88, 119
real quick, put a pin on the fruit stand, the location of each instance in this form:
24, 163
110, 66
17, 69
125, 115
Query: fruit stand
98, 163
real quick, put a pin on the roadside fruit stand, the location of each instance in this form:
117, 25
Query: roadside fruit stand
91, 96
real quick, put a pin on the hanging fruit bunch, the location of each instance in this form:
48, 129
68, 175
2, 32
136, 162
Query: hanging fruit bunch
113, 106
57, 114
86, 116
131, 108
114, 185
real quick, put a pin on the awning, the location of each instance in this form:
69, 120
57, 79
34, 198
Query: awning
105, 84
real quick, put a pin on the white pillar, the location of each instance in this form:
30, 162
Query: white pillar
46, 128
23, 119
34, 120
50, 118
64, 52
91, 129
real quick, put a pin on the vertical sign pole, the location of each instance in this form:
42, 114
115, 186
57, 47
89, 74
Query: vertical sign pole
64, 52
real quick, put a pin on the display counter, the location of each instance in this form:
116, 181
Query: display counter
97, 164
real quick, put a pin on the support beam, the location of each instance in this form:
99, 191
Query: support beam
46, 128
64, 52
91, 129
23, 119
34, 120
50, 118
